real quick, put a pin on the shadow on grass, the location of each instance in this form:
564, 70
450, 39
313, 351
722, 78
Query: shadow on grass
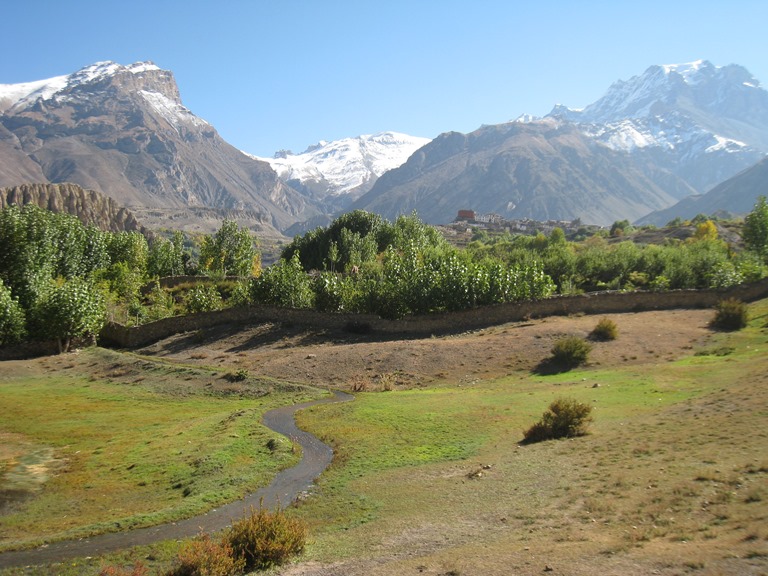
550, 366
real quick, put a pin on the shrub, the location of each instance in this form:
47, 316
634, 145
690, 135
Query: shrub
206, 557
570, 351
239, 376
730, 314
264, 539
203, 298
605, 330
565, 418
138, 569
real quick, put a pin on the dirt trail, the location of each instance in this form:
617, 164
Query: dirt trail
285, 487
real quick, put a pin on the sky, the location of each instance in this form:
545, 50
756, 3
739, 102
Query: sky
285, 74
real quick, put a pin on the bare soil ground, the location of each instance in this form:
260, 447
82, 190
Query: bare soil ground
346, 361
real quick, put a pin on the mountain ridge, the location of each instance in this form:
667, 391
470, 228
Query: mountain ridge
672, 132
340, 171
124, 131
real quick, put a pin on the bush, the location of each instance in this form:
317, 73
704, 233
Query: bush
565, 418
206, 557
570, 352
730, 314
138, 570
203, 298
241, 375
605, 330
264, 539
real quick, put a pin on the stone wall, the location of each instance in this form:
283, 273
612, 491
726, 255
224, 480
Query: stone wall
443, 323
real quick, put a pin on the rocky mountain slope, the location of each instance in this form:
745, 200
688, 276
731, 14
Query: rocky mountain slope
338, 172
90, 206
672, 132
124, 131
543, 170
736, 195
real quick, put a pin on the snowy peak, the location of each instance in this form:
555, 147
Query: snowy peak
661, 88
347, 166
140, 76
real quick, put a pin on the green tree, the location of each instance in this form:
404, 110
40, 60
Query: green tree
167, 257
706, 230
130, 248
71, 309
620, 227
228, 252
12, 321
203, 298
27, 260
755, 231
284, 284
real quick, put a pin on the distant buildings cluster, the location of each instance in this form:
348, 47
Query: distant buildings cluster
521, 226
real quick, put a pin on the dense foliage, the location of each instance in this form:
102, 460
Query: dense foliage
756, 228
701, 261
363, 263
62, 280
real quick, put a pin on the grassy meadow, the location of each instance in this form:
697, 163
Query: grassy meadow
100, 441
672, 479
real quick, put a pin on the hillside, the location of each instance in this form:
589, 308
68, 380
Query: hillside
541, 170
736, 195
123, 130
672, 132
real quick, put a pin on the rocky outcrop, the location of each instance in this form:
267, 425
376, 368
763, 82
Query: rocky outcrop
89, 206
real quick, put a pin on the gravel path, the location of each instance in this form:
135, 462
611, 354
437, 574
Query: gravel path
285, 487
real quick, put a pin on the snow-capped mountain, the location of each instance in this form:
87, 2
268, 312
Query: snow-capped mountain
673, 131
338, 172
709, 122
123, 130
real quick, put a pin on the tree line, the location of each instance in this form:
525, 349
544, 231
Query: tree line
60, 279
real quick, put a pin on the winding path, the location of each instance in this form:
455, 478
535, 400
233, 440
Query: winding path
284, 488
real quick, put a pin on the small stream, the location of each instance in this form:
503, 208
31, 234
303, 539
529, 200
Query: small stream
284, 488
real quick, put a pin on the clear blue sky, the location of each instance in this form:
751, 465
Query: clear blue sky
288, 73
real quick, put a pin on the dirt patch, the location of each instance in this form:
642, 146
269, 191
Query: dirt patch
342, 360
24, 469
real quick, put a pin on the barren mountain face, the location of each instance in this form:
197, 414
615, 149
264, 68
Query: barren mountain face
123, 130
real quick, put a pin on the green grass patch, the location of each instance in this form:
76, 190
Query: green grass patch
129, 454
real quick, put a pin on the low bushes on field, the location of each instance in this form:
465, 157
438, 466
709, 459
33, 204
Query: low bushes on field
137, 569
565, 418
206, 557
605, 330
730, 314
570, 352
264, 539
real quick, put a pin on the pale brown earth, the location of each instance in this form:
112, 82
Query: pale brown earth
342, 360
